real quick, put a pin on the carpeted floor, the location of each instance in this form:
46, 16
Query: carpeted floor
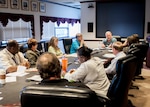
142, 95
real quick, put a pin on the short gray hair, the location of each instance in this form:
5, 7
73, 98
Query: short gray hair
48, 66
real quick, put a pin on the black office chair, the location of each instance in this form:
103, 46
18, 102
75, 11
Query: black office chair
67, 44
23, 48
46, 46
120, 84
40, 46
141, 54
118, 38
38, 95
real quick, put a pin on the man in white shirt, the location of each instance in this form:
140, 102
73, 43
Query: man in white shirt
117, 48
10, 57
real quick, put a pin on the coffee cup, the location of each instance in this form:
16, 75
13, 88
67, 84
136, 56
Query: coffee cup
2, 76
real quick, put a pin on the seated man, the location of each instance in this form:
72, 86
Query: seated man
117, 48
49, 68
79, 42
55, 90
109, 40
10, 57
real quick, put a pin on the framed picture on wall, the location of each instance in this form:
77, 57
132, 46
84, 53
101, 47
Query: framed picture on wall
14, 4
42, 7
34, 6
25, 4
3, 3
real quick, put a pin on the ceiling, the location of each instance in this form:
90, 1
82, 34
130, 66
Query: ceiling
72, 3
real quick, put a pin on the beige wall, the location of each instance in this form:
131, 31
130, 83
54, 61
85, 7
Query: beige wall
52, 10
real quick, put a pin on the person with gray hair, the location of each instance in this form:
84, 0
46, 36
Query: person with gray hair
109, 40
79, 42
49, 68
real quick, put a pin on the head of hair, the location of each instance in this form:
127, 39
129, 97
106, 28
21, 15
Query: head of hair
13, 46
12, 43
136, 38
108, 32
52, 42
132, 39
84, 51
78, 35
48, 66
31, 42
118, 45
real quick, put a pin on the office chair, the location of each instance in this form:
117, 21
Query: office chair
40, 46
120, 84
45, 46
39, 95
136, 52
118, 38
23, 48
67, 44
143, 48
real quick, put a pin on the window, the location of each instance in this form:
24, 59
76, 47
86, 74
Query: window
63, 30
18, 30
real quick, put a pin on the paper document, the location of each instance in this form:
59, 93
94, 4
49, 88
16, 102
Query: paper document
35, 78
72, 55
109, 55
31, 69
14, 74
1, 98
10, 79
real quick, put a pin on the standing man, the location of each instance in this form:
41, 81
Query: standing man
109, 40
10, 57
79, 42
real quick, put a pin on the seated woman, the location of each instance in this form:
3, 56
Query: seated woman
53, 47
32, 53
91, 72
130, 41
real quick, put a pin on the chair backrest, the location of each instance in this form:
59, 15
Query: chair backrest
120, 84
23, 47
67, 44
143, 46
46, 46
41, 46
118, 38
42, 95
140, 51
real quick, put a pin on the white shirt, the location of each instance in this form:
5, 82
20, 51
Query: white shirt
91, 73
6, 59
111, 69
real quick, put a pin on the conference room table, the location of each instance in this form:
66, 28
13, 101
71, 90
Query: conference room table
10, 92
